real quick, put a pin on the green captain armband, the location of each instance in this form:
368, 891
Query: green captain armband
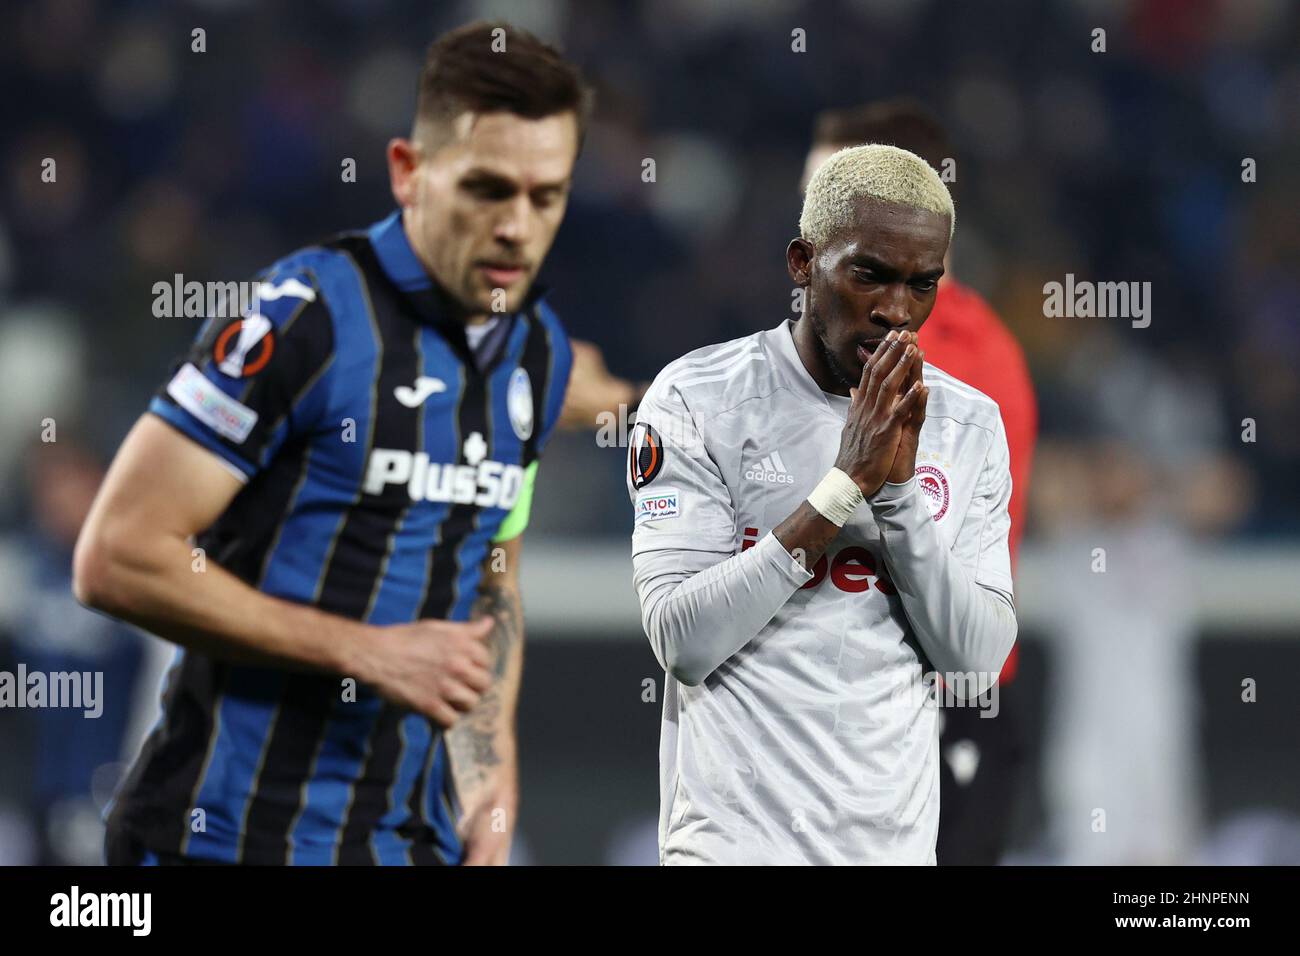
517, 520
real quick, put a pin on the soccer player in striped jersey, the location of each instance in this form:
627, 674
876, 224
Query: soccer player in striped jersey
355, 460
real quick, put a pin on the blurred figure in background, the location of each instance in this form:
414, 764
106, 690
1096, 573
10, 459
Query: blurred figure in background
594, 390
1122, 510
1121, 767
963, 336
75, 757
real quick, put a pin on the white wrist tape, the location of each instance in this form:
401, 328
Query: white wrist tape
836, 497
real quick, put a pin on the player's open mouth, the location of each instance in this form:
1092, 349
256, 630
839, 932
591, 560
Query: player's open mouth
501, 275
867, 348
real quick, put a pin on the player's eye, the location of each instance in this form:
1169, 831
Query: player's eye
865, 275
546, 198
925, 285
489, 190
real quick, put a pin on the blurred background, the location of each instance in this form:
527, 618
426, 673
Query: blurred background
1161, 690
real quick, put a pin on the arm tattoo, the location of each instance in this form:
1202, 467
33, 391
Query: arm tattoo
502, 604
472, 742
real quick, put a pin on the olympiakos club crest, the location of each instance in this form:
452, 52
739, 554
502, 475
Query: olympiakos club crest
934, 489
519, 403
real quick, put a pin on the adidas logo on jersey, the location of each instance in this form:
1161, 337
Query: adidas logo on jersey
771, 469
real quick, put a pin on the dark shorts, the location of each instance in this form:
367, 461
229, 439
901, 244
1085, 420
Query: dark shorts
975, 817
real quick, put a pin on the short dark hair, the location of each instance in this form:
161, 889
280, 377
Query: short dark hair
902, 122
462, 71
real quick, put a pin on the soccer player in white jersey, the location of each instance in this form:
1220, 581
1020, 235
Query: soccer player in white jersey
821, 530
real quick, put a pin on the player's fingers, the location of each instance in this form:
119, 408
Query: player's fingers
918, 415
915, 374
474, 674
475, 652
481, 627
893, 382
459, 695
863, 379
874, 368
907, 405
881, 364
439, 711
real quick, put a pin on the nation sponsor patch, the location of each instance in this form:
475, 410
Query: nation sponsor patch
645, 454
665, 503
934, 489
209, 404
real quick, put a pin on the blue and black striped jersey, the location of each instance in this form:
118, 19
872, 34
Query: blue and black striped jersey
381, 456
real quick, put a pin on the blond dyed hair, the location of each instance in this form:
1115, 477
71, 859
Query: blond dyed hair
876, 171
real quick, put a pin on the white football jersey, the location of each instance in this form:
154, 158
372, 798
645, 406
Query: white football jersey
817, 742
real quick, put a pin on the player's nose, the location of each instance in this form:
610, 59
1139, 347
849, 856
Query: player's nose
513, 225
889, 311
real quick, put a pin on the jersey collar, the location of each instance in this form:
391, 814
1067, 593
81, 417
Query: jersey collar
790, 366
431, 302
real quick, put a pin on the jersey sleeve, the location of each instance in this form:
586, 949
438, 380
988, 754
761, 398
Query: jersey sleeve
680, 500
957, 599
561, 365
982, 540
249, 383
701, 600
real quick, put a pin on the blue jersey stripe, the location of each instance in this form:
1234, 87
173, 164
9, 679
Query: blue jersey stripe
440, 817
389, 845
293, 571
402, 592
300, 560
245, 709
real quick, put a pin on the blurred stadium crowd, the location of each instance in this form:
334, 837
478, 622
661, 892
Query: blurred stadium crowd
1117, 166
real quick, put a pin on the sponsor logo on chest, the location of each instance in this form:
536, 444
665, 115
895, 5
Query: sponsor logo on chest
770, 469
480, 481
852, 569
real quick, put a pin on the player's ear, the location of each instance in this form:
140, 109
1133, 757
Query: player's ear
403, 158
798, 260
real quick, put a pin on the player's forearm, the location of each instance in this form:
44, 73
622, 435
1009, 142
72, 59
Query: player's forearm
695, 621
962, 626
806, 534
152, 581
482, 743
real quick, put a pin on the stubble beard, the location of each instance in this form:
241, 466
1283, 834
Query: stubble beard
842, 375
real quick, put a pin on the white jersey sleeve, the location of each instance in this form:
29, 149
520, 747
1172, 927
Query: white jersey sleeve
957, 599
982, 543
701, 602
